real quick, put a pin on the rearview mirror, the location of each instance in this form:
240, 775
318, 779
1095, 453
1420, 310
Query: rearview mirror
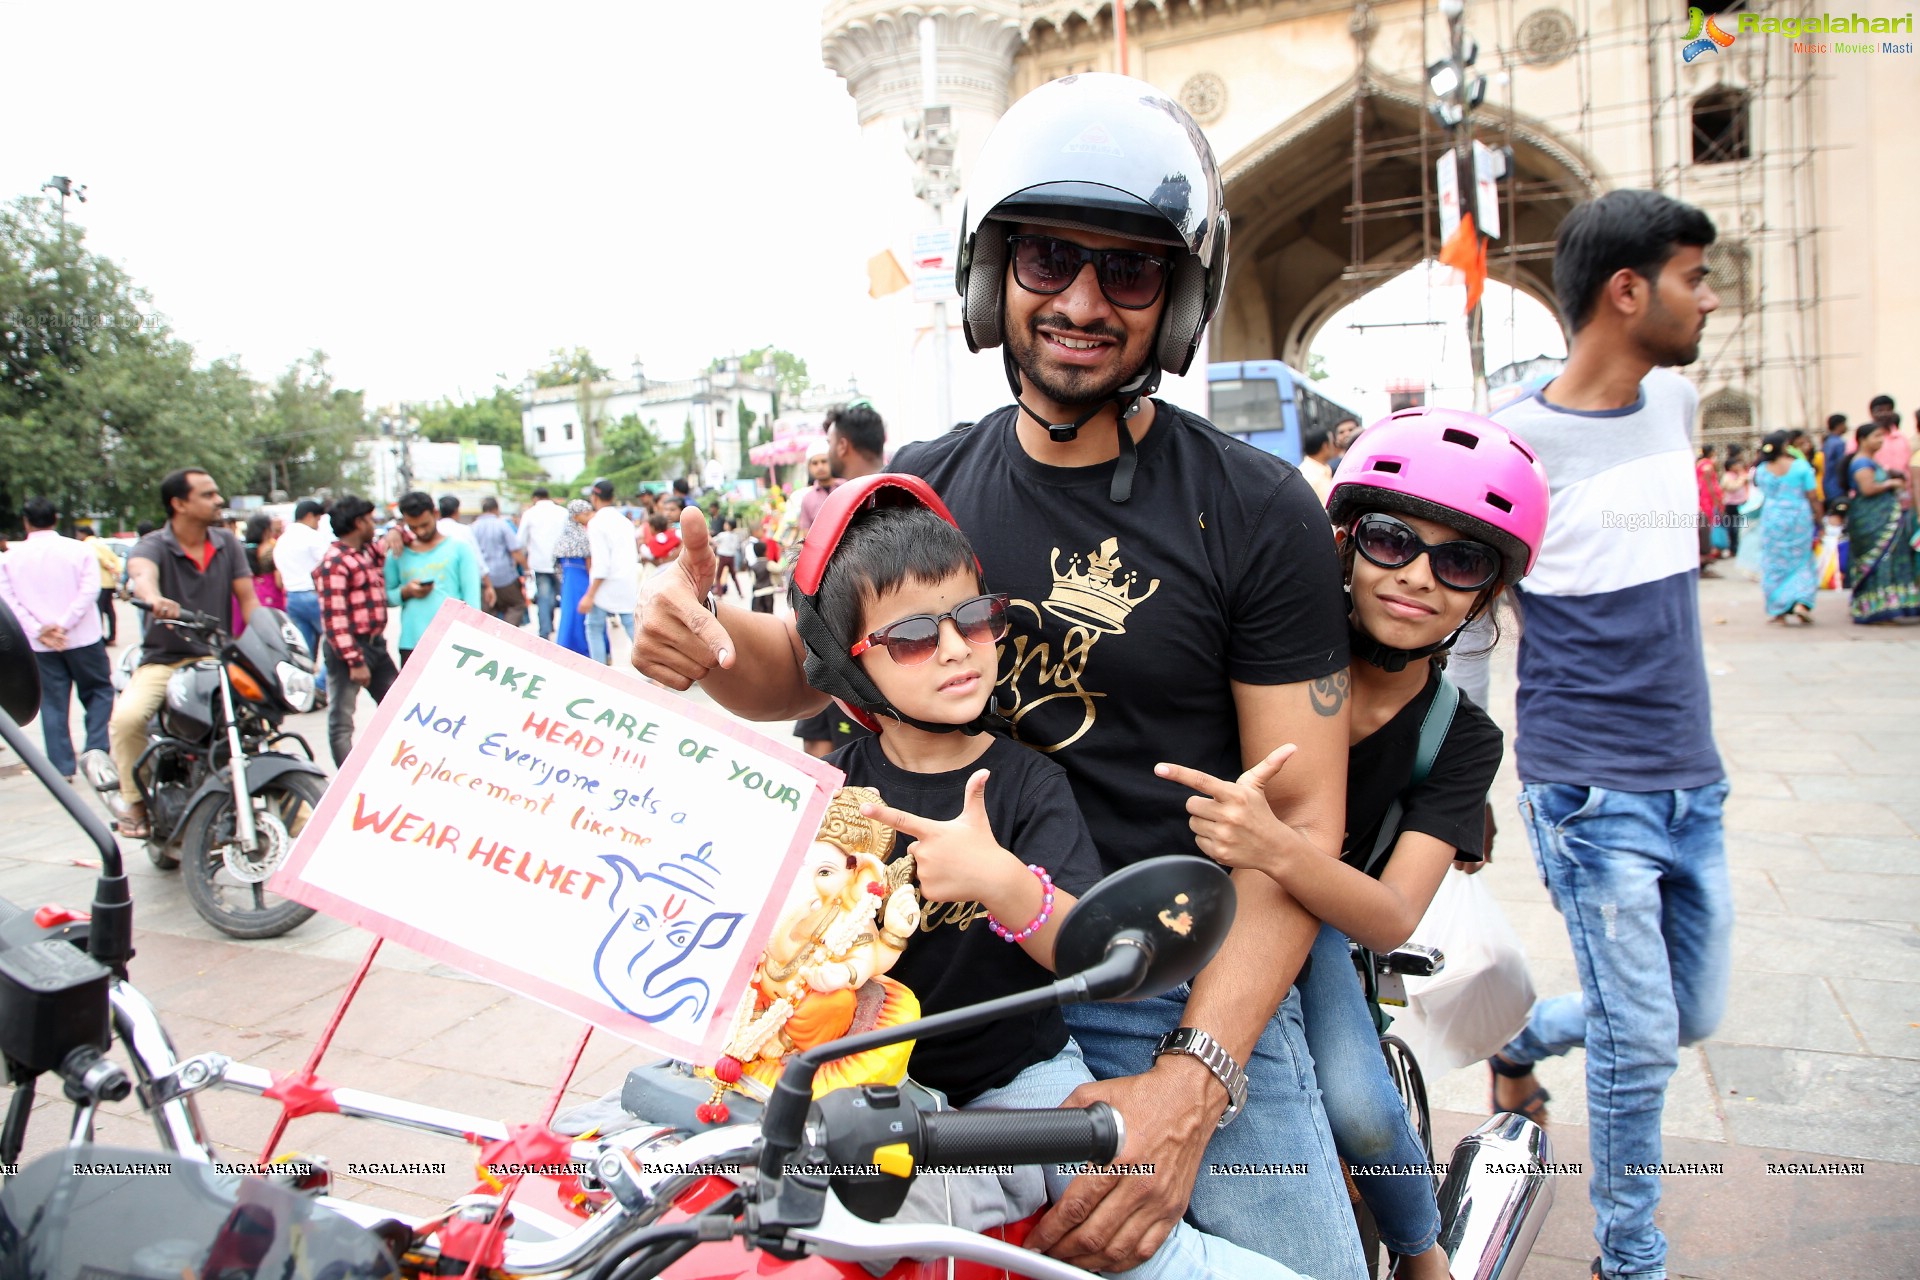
19, 670
1174, 911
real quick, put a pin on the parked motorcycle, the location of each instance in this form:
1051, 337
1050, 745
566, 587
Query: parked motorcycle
232, 827
798, 1196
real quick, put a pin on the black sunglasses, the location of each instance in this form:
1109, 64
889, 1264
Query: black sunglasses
1129, 278
1391, 544
912, 640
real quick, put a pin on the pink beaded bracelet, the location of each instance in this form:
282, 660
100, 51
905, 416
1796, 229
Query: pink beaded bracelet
1034, 926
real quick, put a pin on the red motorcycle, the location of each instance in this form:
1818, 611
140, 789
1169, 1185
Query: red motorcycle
801, 1195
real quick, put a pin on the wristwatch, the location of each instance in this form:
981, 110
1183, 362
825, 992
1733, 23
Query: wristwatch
1196, 1043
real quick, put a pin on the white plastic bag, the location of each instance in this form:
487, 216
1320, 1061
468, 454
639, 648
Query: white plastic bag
1467, 1011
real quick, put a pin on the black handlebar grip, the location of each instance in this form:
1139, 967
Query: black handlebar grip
1057, 1135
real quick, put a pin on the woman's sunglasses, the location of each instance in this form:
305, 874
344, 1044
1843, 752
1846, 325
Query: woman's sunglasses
911, 641
1129, 278
1391, 544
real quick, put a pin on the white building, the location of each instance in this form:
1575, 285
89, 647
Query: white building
466, 469
556, 423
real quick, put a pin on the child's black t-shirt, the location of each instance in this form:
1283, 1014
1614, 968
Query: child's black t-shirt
954, 959
1450, 805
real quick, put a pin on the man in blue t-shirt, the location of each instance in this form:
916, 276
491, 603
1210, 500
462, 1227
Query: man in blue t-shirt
1834, 450
1622, 786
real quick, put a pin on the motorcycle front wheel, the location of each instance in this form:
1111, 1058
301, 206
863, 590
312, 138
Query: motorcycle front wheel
226, 884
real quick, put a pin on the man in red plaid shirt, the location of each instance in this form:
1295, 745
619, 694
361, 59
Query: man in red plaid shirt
352, 586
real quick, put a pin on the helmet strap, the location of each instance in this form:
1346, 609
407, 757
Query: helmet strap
1386, 657
1126, 400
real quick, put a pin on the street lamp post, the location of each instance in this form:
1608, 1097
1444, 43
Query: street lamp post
1449, 80
66, 187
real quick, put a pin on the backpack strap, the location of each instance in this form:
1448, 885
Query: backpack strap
1433, 732
1433, 729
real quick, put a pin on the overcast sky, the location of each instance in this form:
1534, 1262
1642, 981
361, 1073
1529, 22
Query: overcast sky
437, 195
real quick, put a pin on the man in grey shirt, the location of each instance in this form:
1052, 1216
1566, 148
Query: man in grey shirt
501, 560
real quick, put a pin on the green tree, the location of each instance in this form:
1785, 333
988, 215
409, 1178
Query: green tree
98, 399
308, 431
494, 420
633, 455
567, 367
789, 370
1316, 367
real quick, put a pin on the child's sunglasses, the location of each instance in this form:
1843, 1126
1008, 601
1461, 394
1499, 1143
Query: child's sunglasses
1391, 544
1129, 278
912, 640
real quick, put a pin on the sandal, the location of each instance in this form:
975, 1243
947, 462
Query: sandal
134, 828
1533, 1106
1803, 613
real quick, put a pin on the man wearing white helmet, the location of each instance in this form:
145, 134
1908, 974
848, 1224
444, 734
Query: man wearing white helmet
1175, 597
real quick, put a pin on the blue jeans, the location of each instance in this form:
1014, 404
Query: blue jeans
1305, 1222
1371, 1128
304, 608
87, 669
1186, 1252
597, 630
546, 598
1641, 878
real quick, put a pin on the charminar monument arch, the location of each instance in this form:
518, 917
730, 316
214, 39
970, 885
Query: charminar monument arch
1808, 161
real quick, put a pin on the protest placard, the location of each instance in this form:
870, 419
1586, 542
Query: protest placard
566, 830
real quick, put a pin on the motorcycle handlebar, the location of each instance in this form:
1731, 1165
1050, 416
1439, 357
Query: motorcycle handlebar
1065, 1135
199, 621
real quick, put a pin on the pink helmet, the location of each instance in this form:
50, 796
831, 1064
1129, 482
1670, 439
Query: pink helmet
1454, 468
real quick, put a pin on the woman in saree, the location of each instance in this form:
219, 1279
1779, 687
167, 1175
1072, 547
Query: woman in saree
1880, 565
1789, 521
570, 558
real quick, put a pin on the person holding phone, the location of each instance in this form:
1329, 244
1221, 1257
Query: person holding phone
429, 571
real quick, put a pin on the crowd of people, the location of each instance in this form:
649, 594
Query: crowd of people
1090, 629
1839, 513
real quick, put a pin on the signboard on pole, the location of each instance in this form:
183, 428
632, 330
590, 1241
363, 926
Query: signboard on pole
565, 830
935, 253
1446, 176
1486, 191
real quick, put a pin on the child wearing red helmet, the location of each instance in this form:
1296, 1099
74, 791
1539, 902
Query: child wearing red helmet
890, 604
1437, 511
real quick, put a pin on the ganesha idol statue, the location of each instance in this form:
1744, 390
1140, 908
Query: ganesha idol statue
823, 972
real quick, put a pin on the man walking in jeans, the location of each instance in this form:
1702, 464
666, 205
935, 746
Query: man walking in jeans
613, 584
1622, 786
50, 582
296, 555
352, 585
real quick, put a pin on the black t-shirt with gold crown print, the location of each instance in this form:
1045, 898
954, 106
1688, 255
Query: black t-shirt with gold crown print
954, 959
1130, 620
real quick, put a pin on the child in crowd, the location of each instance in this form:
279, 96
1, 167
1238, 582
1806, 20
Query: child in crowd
1452, 515
890, 603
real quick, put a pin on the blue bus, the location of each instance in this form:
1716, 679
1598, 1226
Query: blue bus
1269, 405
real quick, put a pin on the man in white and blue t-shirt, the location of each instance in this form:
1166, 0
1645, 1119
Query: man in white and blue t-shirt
1622, 786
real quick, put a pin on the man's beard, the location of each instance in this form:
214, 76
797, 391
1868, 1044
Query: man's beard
1068, 388
1666, 351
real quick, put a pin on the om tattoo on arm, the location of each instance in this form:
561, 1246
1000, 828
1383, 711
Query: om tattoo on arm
1329, 693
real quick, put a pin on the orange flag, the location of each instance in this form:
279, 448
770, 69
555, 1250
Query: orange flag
885, 275
1466, 253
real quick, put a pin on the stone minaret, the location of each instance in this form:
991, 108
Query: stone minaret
874, 46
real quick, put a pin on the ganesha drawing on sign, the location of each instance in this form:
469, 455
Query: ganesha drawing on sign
822, 974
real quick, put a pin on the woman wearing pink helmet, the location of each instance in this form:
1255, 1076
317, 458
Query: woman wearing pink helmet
1437, 511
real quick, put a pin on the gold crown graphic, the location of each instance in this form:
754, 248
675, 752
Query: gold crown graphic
1093, 597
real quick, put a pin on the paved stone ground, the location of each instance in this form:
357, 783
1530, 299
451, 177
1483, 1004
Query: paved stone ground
1818, 1057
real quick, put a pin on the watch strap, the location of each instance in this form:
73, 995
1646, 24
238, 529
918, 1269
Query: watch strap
1195, 1043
